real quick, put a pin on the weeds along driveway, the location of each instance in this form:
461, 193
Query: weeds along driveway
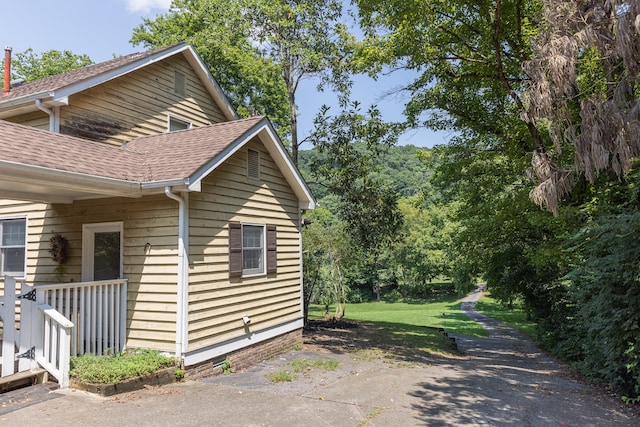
502, 380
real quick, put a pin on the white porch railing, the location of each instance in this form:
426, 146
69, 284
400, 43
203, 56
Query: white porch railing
98, 309
52, 348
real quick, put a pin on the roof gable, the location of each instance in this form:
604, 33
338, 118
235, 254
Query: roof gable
55, 90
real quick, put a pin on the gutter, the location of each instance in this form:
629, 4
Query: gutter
183, 272
52, 116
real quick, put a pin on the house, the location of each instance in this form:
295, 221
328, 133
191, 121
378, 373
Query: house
138, 172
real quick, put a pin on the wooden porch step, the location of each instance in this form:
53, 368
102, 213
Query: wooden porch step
22, 379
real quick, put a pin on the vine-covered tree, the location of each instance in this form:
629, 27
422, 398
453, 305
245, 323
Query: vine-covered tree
584, 92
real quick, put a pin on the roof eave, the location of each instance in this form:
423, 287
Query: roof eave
74, 185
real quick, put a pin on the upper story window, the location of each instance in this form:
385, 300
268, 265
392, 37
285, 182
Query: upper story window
253, 164
180, 83
176, 123
13, 238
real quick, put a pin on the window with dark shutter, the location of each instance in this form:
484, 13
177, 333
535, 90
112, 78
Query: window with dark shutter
235, 249
272, 249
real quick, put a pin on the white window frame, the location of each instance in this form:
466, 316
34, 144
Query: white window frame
17, 274
177, 119
88, 245
249, 272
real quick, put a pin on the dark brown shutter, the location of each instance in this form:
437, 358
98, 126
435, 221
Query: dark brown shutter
235, 249
272, 249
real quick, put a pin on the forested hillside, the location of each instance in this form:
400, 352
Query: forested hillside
400, 168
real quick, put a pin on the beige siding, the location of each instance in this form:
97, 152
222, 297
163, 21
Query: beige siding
37, 119
216, 303
152, 275
138, 104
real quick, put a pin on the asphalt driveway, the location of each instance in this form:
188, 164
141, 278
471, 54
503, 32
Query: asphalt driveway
502, 380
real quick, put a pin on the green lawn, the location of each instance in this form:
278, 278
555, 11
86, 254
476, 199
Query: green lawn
443, 312
516, 317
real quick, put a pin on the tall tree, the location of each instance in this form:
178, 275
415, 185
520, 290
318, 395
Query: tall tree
349, 147
222, 34
259, 50
29, 65
306, 39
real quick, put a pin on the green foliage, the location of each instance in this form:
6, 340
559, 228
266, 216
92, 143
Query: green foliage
327, 255
117, 367
349, 146
606, 287
30, 66
304, 365
305, 38
227, 368
281, 377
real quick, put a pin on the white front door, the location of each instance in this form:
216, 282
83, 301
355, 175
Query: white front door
102, 251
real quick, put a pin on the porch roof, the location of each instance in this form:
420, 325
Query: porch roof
42, 166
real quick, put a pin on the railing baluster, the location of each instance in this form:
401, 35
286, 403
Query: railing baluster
112, 307
99, 311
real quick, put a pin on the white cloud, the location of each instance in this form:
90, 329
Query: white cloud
145, 6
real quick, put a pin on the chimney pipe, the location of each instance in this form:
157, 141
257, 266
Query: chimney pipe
7, 71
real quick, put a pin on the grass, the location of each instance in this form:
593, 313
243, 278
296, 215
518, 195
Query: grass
117, 367
406, 329
442, 312
516, 317
303, 366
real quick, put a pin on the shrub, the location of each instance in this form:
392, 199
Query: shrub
117, 367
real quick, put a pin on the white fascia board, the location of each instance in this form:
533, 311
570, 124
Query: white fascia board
117, 72
210, 83
28, 104
288, 169
69, 180
175, 184
34, 197
210, 166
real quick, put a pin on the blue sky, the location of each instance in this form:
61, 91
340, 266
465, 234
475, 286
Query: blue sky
102, 29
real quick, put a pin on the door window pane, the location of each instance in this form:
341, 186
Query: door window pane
106, 258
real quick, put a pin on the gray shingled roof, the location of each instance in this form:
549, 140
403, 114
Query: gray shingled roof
164, 157
59, 81
193, 147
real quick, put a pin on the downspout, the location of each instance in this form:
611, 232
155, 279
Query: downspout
183, 273
52, 117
